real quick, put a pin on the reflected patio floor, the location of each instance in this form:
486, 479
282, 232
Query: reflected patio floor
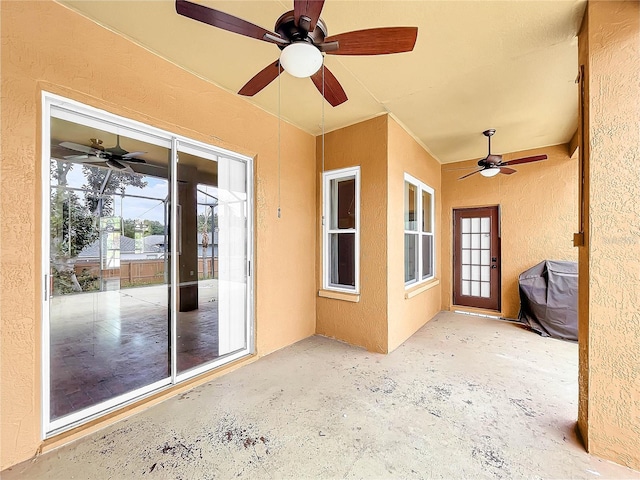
105, 344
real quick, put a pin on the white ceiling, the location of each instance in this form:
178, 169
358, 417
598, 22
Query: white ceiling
508, 65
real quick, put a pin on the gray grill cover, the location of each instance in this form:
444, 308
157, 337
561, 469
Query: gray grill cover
549, 299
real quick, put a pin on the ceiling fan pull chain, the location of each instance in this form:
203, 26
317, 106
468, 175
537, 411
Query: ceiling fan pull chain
279, 140
322, 100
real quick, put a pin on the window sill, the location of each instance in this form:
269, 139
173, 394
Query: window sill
347, 297
418, 289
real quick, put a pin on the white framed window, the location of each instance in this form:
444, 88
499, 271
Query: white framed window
341, 229
419, 245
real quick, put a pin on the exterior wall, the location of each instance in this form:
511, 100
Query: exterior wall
407, 315
538, 210
362, 323
583, 227
45, 46
609, 404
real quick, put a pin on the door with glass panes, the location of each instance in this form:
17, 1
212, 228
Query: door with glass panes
476, 257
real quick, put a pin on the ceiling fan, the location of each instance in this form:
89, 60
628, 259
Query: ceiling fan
492, 164
302, 36
116, 158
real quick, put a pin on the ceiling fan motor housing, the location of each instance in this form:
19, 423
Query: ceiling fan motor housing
286, 27
491, 165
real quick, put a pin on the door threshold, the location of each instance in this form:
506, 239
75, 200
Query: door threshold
485, 315
476, 314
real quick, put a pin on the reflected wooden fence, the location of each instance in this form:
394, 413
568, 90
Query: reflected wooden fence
141, 272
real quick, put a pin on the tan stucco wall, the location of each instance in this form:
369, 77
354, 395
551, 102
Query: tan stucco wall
538, 215
382, 318
583, 228
363, 323
609, 307
48, 47
407, 315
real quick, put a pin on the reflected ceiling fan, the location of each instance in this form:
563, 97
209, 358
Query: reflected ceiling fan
302, 36
491, 165
116, 158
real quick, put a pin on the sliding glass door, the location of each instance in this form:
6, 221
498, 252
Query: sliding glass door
130, 306
212, 211
108, 305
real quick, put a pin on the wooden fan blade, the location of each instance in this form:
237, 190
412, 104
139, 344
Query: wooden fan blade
79, 148
374, 41
132, 156
120, 167
92, 159
222, 20
517, 161
333, 91
493, 159
73, 158
83, 159
131, 160
306, 13
469, 174
507, 170
263, 78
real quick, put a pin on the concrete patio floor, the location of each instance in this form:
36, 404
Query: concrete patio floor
465, 397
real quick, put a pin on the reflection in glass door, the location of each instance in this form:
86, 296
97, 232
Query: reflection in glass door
108, 267
147, 243
233, 213
212, 257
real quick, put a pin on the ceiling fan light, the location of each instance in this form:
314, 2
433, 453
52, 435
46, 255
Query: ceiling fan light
490, 172
301, 59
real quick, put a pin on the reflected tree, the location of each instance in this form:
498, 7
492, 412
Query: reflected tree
102, 183
72, 230
204, 221
151, 227
74, 221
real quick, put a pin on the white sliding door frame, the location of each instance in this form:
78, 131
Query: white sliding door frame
203, 150
73, 111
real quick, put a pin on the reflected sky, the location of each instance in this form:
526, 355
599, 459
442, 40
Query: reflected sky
134, 208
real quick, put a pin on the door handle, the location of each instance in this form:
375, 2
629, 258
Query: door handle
494, 266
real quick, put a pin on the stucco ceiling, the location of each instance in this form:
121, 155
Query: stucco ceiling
508, 65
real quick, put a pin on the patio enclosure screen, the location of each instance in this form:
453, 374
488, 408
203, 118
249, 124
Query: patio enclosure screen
147, 251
